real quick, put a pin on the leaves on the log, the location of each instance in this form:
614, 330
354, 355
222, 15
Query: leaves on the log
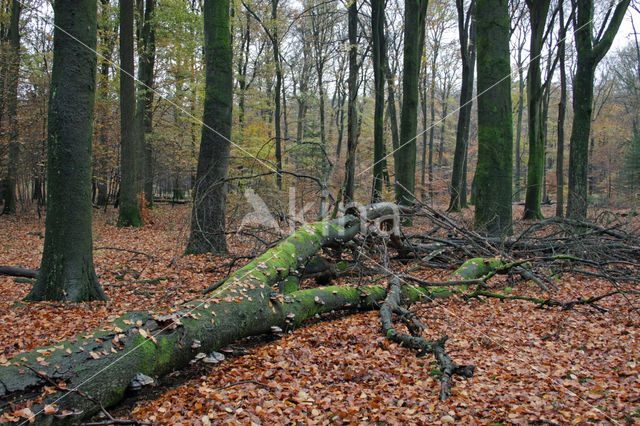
533, 365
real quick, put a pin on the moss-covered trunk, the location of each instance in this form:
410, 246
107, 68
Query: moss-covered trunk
103, 363
67, 271
378, 47
495, 131
538, 11
210, 191
415, 12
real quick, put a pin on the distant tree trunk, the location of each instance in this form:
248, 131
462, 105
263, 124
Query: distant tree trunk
466, 32
432, 107
210, 191
414, 20
538, 11
67, 271
391, 109
562, 107
590, 52
275, 44
377, 29
144, 114
129, 209
13, 70
494, 172
518, 172
352, 111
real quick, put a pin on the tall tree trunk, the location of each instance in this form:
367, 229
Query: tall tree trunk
66, 271
144, 114
562, 107
352, 111
432, 107
538, 11
275, 45
13, 70
494, 172
129, 209
466, 32
518, 154
590, 52
378, 46
210, 192
415, 12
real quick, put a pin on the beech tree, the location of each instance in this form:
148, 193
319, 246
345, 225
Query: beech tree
538, 11
495, 131
210, 191
146, 59
129, 208
414, 20
66, 271
467, 34
590, 51
378, 47
12, 66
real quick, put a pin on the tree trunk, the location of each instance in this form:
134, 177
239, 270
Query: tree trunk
13, 71
129, 208
538, 11
517, 196
210, 192
66, 271
466, 32
275, 45
414, 20
590, 52
377, 28
144, 113
494, 172
352, 111
562, 107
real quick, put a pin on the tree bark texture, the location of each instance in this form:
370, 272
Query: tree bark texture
66, 271
415, 12
466, 32
13, 71
494, 172
210, 192
377, 28
589, 54
128, 208
247, 304
538, 11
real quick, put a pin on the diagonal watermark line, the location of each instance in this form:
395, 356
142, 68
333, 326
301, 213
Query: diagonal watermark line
155, 92
186, 112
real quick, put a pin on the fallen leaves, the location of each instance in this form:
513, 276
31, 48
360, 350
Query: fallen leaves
344, 371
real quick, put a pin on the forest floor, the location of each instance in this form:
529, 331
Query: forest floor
544, 366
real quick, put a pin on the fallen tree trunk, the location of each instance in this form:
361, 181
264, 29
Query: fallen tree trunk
103, 364
18, 272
